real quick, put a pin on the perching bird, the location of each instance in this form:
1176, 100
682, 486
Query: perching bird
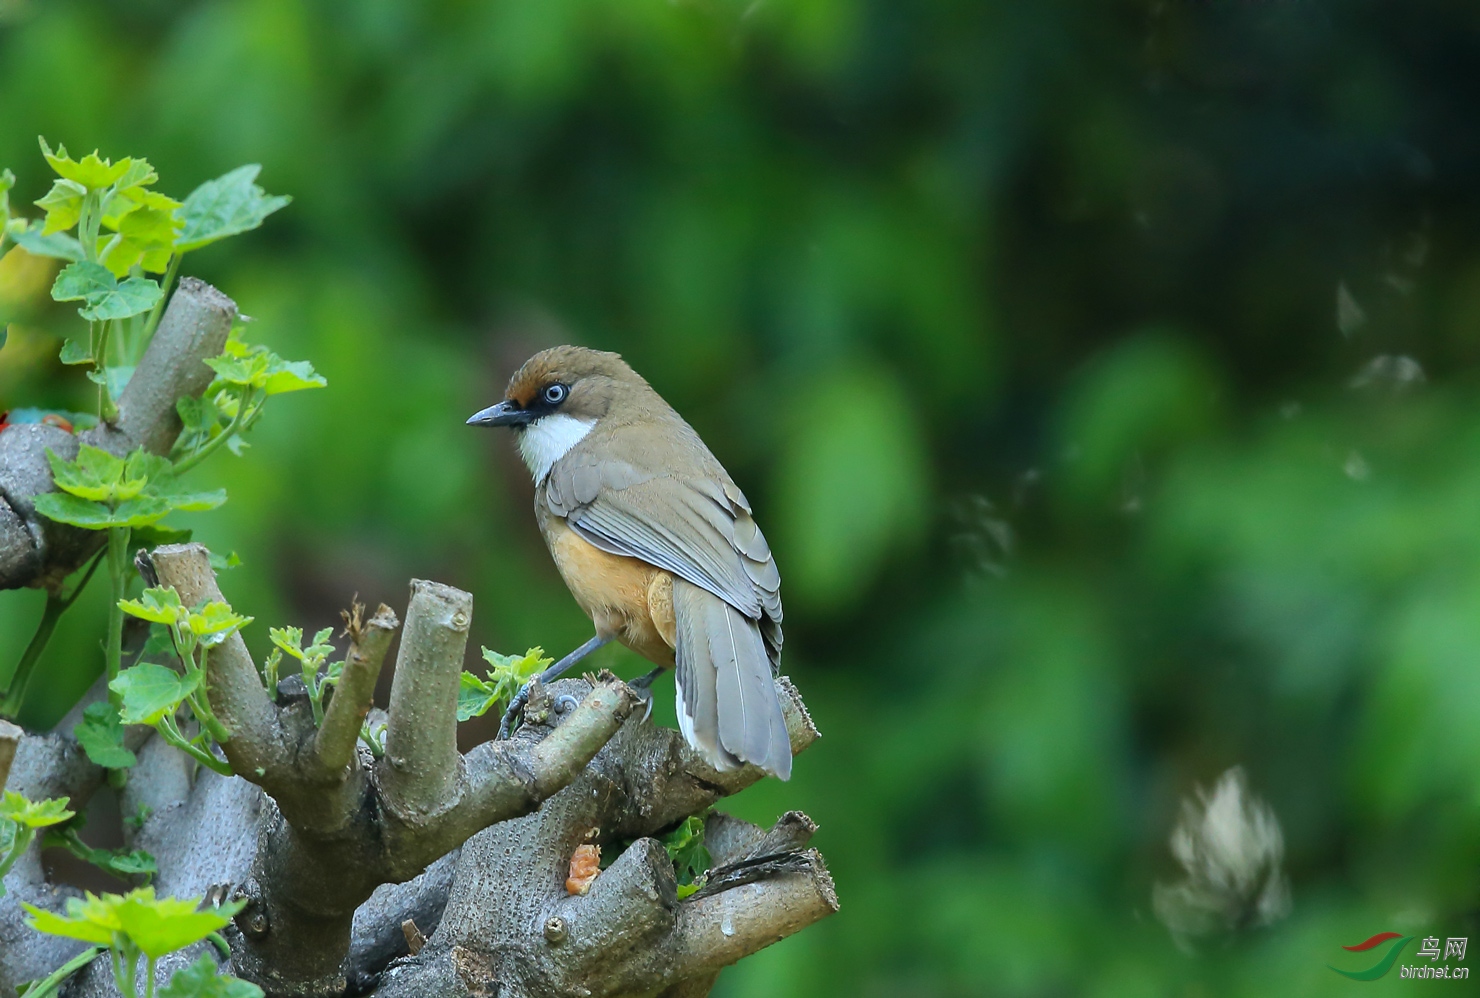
656, 544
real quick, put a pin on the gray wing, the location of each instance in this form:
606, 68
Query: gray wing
698, 528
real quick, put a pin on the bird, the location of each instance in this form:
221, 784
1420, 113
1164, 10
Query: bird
657, 545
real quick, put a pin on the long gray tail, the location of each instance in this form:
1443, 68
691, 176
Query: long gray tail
727, 706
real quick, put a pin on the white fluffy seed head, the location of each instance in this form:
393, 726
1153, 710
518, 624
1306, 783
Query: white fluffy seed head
1230, 846
548, 439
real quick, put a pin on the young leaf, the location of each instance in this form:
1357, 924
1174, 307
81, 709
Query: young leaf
198, 414
215, 622
34, 814
94, 474
91, 172
202, 980
104, 297
63, 206
290, 376
76, 352
147, 239
151, 691
92, 920
474, 697
154, 926
229, 205
157, 605
685, 846
100, 733
162, 926
222, 563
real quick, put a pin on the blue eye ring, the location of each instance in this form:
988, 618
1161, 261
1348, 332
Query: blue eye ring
555, 394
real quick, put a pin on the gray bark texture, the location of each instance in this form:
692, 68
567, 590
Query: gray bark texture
424, 872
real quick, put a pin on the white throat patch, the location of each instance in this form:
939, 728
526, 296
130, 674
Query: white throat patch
548, 439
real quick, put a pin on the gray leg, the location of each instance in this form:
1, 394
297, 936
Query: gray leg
516, 706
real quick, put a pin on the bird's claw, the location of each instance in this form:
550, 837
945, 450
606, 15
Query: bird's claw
516, 708
645, 694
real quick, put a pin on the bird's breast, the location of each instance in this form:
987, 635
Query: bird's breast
626, 598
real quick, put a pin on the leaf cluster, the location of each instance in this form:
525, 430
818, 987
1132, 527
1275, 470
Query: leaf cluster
505, 677
152, 694
138, 924
317, 676
20, 820
691, 860
100, 491
113, 229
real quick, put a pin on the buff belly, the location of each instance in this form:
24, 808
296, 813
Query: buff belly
626, 598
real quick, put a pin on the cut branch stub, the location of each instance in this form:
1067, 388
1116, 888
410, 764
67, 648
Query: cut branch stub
339, 823
355, 692
420, 769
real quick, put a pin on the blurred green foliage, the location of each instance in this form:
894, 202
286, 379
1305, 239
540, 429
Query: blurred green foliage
1056, 344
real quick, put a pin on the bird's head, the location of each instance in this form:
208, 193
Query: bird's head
557, 397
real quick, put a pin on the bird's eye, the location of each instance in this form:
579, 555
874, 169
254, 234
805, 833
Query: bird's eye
555, 394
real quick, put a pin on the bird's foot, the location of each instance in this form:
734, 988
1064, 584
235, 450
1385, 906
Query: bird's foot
515, 711
642, 688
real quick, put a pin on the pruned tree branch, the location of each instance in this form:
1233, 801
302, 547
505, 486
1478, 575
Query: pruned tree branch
35, 551
511, 928
328, 838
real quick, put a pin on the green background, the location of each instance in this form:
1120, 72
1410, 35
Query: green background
1035, 332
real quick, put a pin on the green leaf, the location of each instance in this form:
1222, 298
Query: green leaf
153, 537
222, 563
34, 814
126, 864
63, 206
201, 980
290, 376
77, 512
33, 239
162, 926
289, 639
104, 296
198, 414
91, 921
7, 181
136, 863
248, 371
76, 352
155, 926
97, 475
214, 622
229, 205
145, 238
474, 697
149, 692
685, 846
258, 367
93, 172
158, 605
100, 733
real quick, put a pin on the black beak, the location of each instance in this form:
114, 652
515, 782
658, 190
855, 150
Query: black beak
505, 413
